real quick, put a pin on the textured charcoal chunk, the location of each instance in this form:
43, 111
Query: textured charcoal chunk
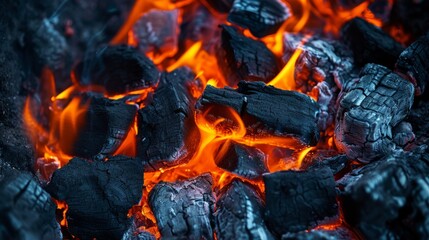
26, 210
240, 213
375, 196
403, 134
184, 209
420, 207
339, 233
336, 164
156, 32
222, 6
134, 233
242, 58
368, 110
299, 200
320, 60
370, 44
285, 112
261, 17
167, 132
98, 195
413, 63
105, 126
242, 160
118, 69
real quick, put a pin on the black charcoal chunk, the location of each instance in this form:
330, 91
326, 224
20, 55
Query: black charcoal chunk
368, 110
105, 126
119, 69
320, 60
26, 210
336, 164
413, 63
370, 44
420, 207
339, 233
284, 112
242, 58
221, 6
98, 194
299, 200
245, 161
184, 209
261, 17
240, 213
134, 233
168, 135
403, 134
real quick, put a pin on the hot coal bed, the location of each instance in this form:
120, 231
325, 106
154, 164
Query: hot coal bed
214, 119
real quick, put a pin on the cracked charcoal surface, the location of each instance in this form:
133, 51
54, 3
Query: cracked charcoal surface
284, 112
320, 60
119, 69
184, 209
242, 58
26, 210
240, 213
245, 161
105, 126
261, 17
374, 197
413, 63
370, 44
167, 123
299, 200
368, 110
340, 233
98, 195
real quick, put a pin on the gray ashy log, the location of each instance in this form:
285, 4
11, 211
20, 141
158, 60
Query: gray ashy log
184, 209
368, 110
240, 213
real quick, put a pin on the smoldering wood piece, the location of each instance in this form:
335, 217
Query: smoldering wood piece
326, 98
374, 197
242, 58
368, 110
119, 69
240, 213
299, 200
157, 32
248, 162
221, 6
98, 194
414, 65
320, 60
283, 112
336, 164
184, 209
105, 126
26, 210
339, 233
168, 135
261, 17
133, 233
370, 44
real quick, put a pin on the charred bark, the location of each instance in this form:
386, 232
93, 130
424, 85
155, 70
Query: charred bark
184, 209
299, 200
167, 132
261, 17
240, 213
98, 195
368, 110
370, 44
242, 58
282, 112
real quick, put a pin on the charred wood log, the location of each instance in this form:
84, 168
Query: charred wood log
299, 200
118, 69
167, 132
368, 110
184, 209
242, 58
340, 233
221, 6
370, 44
261, 17
413, 64
240, 213
105, 126
98, 194
284, 112
247, 162
26, 210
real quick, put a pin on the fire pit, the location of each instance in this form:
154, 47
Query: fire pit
214, 119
